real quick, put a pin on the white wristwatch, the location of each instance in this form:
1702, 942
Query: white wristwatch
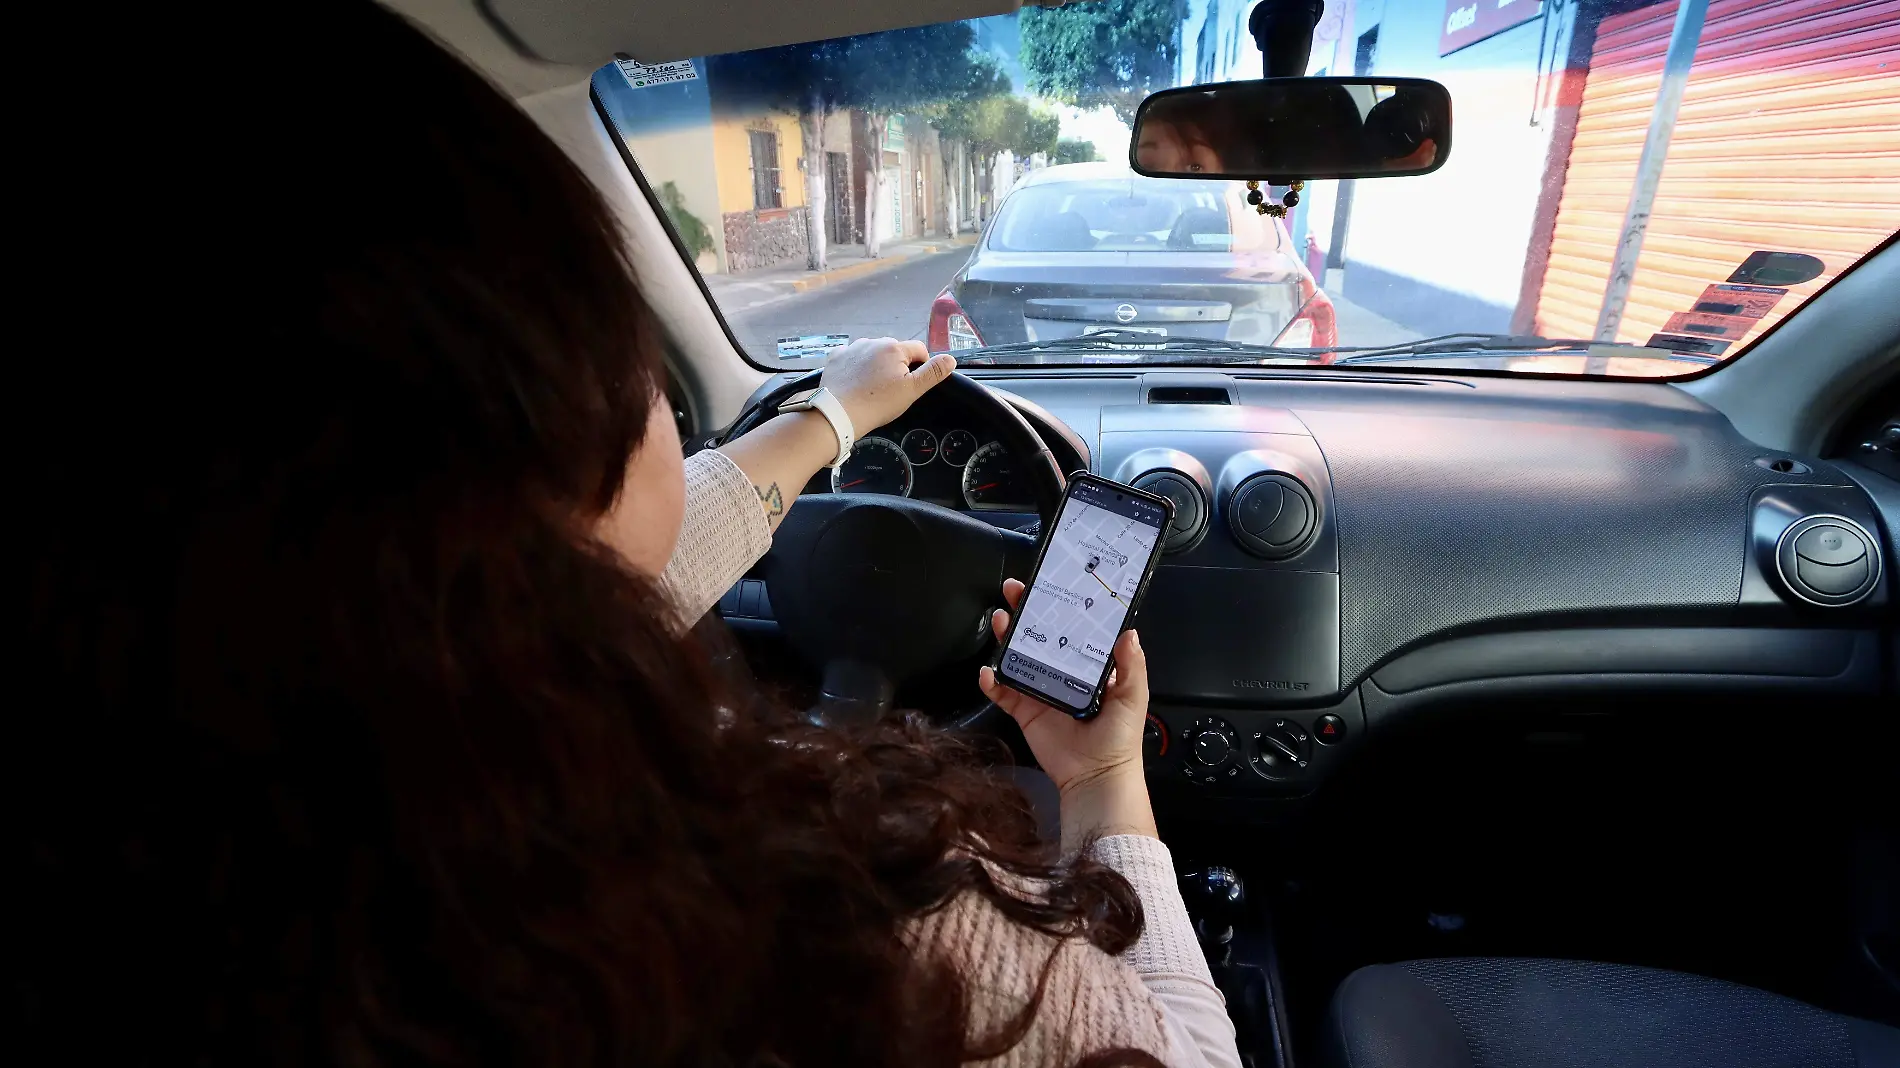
822, 401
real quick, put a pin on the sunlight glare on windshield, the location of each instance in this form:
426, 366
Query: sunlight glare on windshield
1661, 182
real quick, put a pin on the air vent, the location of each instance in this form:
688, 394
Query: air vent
1190, 395
1190, 508
1828, 560
1272, 515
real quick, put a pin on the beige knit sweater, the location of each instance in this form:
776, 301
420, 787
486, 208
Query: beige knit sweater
1158, 996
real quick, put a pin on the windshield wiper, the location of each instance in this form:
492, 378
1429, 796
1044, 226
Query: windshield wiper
1161, 348
1454, 344
1158, 344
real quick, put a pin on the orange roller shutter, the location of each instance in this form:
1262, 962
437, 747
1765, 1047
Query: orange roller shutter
1788, 140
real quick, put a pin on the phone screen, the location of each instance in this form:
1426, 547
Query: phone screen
1090, 574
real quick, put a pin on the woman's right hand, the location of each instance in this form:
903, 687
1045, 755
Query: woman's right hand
876, 379
1096, 763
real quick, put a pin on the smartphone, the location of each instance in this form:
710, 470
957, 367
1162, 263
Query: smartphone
1091, 574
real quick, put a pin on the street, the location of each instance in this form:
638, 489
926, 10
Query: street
893, 303
896, 303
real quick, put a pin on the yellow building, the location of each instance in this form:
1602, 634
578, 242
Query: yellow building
762, 203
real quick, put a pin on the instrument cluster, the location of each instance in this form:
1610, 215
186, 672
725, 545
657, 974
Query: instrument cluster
953, 462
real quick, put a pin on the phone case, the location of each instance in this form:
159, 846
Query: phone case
1134, 606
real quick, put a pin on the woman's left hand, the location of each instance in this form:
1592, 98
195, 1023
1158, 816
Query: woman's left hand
1096, 764
877, 379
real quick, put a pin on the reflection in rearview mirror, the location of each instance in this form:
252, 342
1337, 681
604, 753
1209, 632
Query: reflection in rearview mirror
1287, 129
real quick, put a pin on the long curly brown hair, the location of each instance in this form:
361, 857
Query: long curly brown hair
344, 741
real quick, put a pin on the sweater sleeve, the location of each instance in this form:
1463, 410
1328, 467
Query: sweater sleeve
1167, 956
1091, 1002
723, 533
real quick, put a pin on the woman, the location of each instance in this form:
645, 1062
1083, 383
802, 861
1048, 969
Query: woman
361, 729
1182, 135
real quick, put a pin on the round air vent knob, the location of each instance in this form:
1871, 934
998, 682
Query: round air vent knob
1190, 508
1272, 515
1828, 560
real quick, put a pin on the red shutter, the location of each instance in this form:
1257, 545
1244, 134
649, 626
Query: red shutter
1788, 140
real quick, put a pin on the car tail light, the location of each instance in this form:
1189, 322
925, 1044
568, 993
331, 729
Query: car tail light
1316, 326
950, 327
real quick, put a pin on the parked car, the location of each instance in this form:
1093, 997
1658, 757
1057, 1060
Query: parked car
1087, 247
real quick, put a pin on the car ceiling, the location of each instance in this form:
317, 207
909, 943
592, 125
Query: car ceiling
528, 46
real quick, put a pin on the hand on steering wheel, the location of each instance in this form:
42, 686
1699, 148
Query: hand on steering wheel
877, 379
1076, 753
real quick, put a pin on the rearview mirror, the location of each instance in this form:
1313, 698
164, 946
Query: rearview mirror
1282, 130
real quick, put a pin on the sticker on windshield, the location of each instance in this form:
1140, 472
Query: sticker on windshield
797, 348
1700, 324
641, 75
1751, 302
1699, 345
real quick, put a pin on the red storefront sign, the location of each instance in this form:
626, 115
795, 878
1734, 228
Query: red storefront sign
1470, 21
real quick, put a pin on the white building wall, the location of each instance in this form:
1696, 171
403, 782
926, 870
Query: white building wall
1447, 246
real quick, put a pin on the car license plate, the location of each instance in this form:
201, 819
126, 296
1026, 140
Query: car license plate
1104, 327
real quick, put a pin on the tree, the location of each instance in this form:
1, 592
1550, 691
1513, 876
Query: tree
1076, 150
909, 70
999, 124
956, 121
693, 233
881, 74
1040, 132
1106, 52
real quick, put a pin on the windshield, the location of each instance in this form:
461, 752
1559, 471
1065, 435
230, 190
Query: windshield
966, 184
1130, 215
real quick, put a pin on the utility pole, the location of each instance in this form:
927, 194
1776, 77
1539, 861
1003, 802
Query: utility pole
1662, 123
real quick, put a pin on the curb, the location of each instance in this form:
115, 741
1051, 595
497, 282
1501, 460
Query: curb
882, 263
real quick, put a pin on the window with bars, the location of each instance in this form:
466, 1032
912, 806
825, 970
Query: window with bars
765, 187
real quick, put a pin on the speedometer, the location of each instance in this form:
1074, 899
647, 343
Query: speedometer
877, 465
989, 480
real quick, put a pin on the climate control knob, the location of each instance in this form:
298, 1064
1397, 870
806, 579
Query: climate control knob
1281, 750
1214, 747
1154, 740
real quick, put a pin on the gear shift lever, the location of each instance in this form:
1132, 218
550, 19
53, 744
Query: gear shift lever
1217, 900
1216, 897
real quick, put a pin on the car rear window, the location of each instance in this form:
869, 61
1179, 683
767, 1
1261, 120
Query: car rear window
1131, 216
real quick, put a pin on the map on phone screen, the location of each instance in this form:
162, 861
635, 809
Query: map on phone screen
1090, 574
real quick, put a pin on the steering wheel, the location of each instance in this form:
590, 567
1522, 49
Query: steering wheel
876, 589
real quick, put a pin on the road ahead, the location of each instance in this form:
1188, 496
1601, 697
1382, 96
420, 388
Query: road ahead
894, 303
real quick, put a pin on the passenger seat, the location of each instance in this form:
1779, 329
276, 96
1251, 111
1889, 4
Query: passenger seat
1200, 221
1065, 231
1490, 1012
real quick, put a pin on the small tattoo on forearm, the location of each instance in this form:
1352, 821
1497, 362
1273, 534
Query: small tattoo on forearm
772, 499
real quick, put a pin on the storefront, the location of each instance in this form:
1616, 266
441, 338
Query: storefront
1811, 85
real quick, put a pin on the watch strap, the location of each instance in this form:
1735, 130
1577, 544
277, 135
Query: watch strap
825, 403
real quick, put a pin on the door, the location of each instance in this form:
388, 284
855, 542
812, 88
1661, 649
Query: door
1787, 141
920, 197
891, 212
838, 220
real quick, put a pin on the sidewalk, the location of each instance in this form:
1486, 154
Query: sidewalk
752, 289
1359, 325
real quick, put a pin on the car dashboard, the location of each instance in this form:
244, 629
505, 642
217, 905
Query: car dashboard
1355, 550
938, 453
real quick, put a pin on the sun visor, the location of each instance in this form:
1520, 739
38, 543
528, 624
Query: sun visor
587, 33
